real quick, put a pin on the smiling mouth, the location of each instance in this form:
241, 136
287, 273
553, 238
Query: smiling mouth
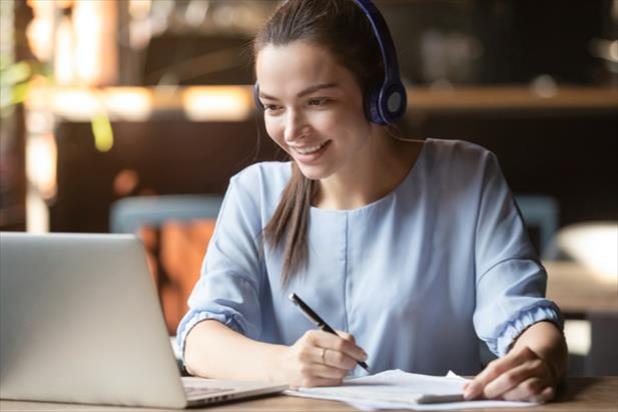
309, 149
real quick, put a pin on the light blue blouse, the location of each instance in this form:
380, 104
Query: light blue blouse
417, 276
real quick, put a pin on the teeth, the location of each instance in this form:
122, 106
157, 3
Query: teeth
309, 150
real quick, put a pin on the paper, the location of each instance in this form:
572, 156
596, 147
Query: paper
396, 389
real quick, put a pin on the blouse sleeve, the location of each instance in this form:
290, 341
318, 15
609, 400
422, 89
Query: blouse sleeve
510, 281
229, 286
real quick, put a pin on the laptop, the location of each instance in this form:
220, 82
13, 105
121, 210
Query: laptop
80, 322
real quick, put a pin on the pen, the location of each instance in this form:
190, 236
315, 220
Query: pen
318, 321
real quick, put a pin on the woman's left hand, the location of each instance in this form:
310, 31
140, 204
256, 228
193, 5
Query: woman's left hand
520, 375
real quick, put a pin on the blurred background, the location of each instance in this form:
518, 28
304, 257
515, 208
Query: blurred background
131, 116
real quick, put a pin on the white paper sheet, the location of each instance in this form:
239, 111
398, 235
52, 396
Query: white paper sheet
396, 389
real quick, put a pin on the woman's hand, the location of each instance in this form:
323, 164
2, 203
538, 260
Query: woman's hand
521, 375
319, 358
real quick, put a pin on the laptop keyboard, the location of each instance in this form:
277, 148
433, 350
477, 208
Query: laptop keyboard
196, 391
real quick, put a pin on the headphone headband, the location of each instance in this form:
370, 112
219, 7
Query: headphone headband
388, 102
383, 36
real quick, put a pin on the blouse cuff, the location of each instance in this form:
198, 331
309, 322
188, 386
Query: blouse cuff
197, 318
523, 320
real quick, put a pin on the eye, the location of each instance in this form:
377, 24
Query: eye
318, 101
271, 107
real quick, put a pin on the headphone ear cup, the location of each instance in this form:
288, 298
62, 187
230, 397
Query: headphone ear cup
393, 102
371, 104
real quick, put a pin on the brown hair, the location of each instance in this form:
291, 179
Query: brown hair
341, 27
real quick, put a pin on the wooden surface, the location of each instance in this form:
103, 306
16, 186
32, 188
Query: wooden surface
511, 97
578, 394
141, 103
577, 289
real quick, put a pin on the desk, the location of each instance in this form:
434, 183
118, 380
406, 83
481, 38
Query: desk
578, 394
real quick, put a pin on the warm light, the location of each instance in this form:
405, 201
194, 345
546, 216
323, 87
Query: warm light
65, 4
217, 103
40, 31
578, 336
130, 103
95, 51
544, 86
75, 104
594, 245
37, 213
139, 9
125, 182
39, 121
41, 157
63, 59
613, 51
84, 45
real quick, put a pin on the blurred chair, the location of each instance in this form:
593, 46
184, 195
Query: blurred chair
176, 230
129, 214
541, 213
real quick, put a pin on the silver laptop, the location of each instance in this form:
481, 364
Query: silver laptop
80, 322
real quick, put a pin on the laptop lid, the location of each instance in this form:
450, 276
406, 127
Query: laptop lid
80, 322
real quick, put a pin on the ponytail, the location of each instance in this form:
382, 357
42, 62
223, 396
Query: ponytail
287, 227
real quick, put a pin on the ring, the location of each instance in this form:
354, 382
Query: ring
323, 356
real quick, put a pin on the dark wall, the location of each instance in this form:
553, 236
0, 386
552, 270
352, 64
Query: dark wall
514, 40
169, 157
568, 155
474, 42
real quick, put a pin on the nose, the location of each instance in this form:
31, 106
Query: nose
295, 126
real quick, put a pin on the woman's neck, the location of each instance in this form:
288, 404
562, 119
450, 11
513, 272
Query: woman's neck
374, 174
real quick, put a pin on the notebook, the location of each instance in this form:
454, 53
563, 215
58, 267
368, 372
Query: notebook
396, 389
80, 321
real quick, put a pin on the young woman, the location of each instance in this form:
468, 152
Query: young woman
414, 248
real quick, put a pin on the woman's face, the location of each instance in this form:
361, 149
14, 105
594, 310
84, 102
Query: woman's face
313, 108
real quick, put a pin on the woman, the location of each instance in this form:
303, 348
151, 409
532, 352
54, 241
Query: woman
415, 249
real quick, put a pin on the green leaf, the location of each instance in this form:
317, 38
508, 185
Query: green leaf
15, 73
102, 131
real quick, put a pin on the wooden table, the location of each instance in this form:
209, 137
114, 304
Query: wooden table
578, 394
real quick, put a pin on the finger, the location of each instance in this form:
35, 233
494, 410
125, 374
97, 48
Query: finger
546, 395
327, 372
527, 390
338, 344
329, 357
347, 336
338, 360
513, 377
496, 368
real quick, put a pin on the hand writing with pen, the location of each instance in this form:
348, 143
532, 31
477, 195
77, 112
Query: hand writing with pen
320, 358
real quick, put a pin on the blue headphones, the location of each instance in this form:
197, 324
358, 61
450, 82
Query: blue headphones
387, 101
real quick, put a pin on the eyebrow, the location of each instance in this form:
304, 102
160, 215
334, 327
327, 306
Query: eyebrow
305, 92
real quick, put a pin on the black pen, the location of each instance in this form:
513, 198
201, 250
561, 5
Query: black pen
318, 321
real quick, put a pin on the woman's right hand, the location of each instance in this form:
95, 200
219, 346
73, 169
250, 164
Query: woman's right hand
320, 358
